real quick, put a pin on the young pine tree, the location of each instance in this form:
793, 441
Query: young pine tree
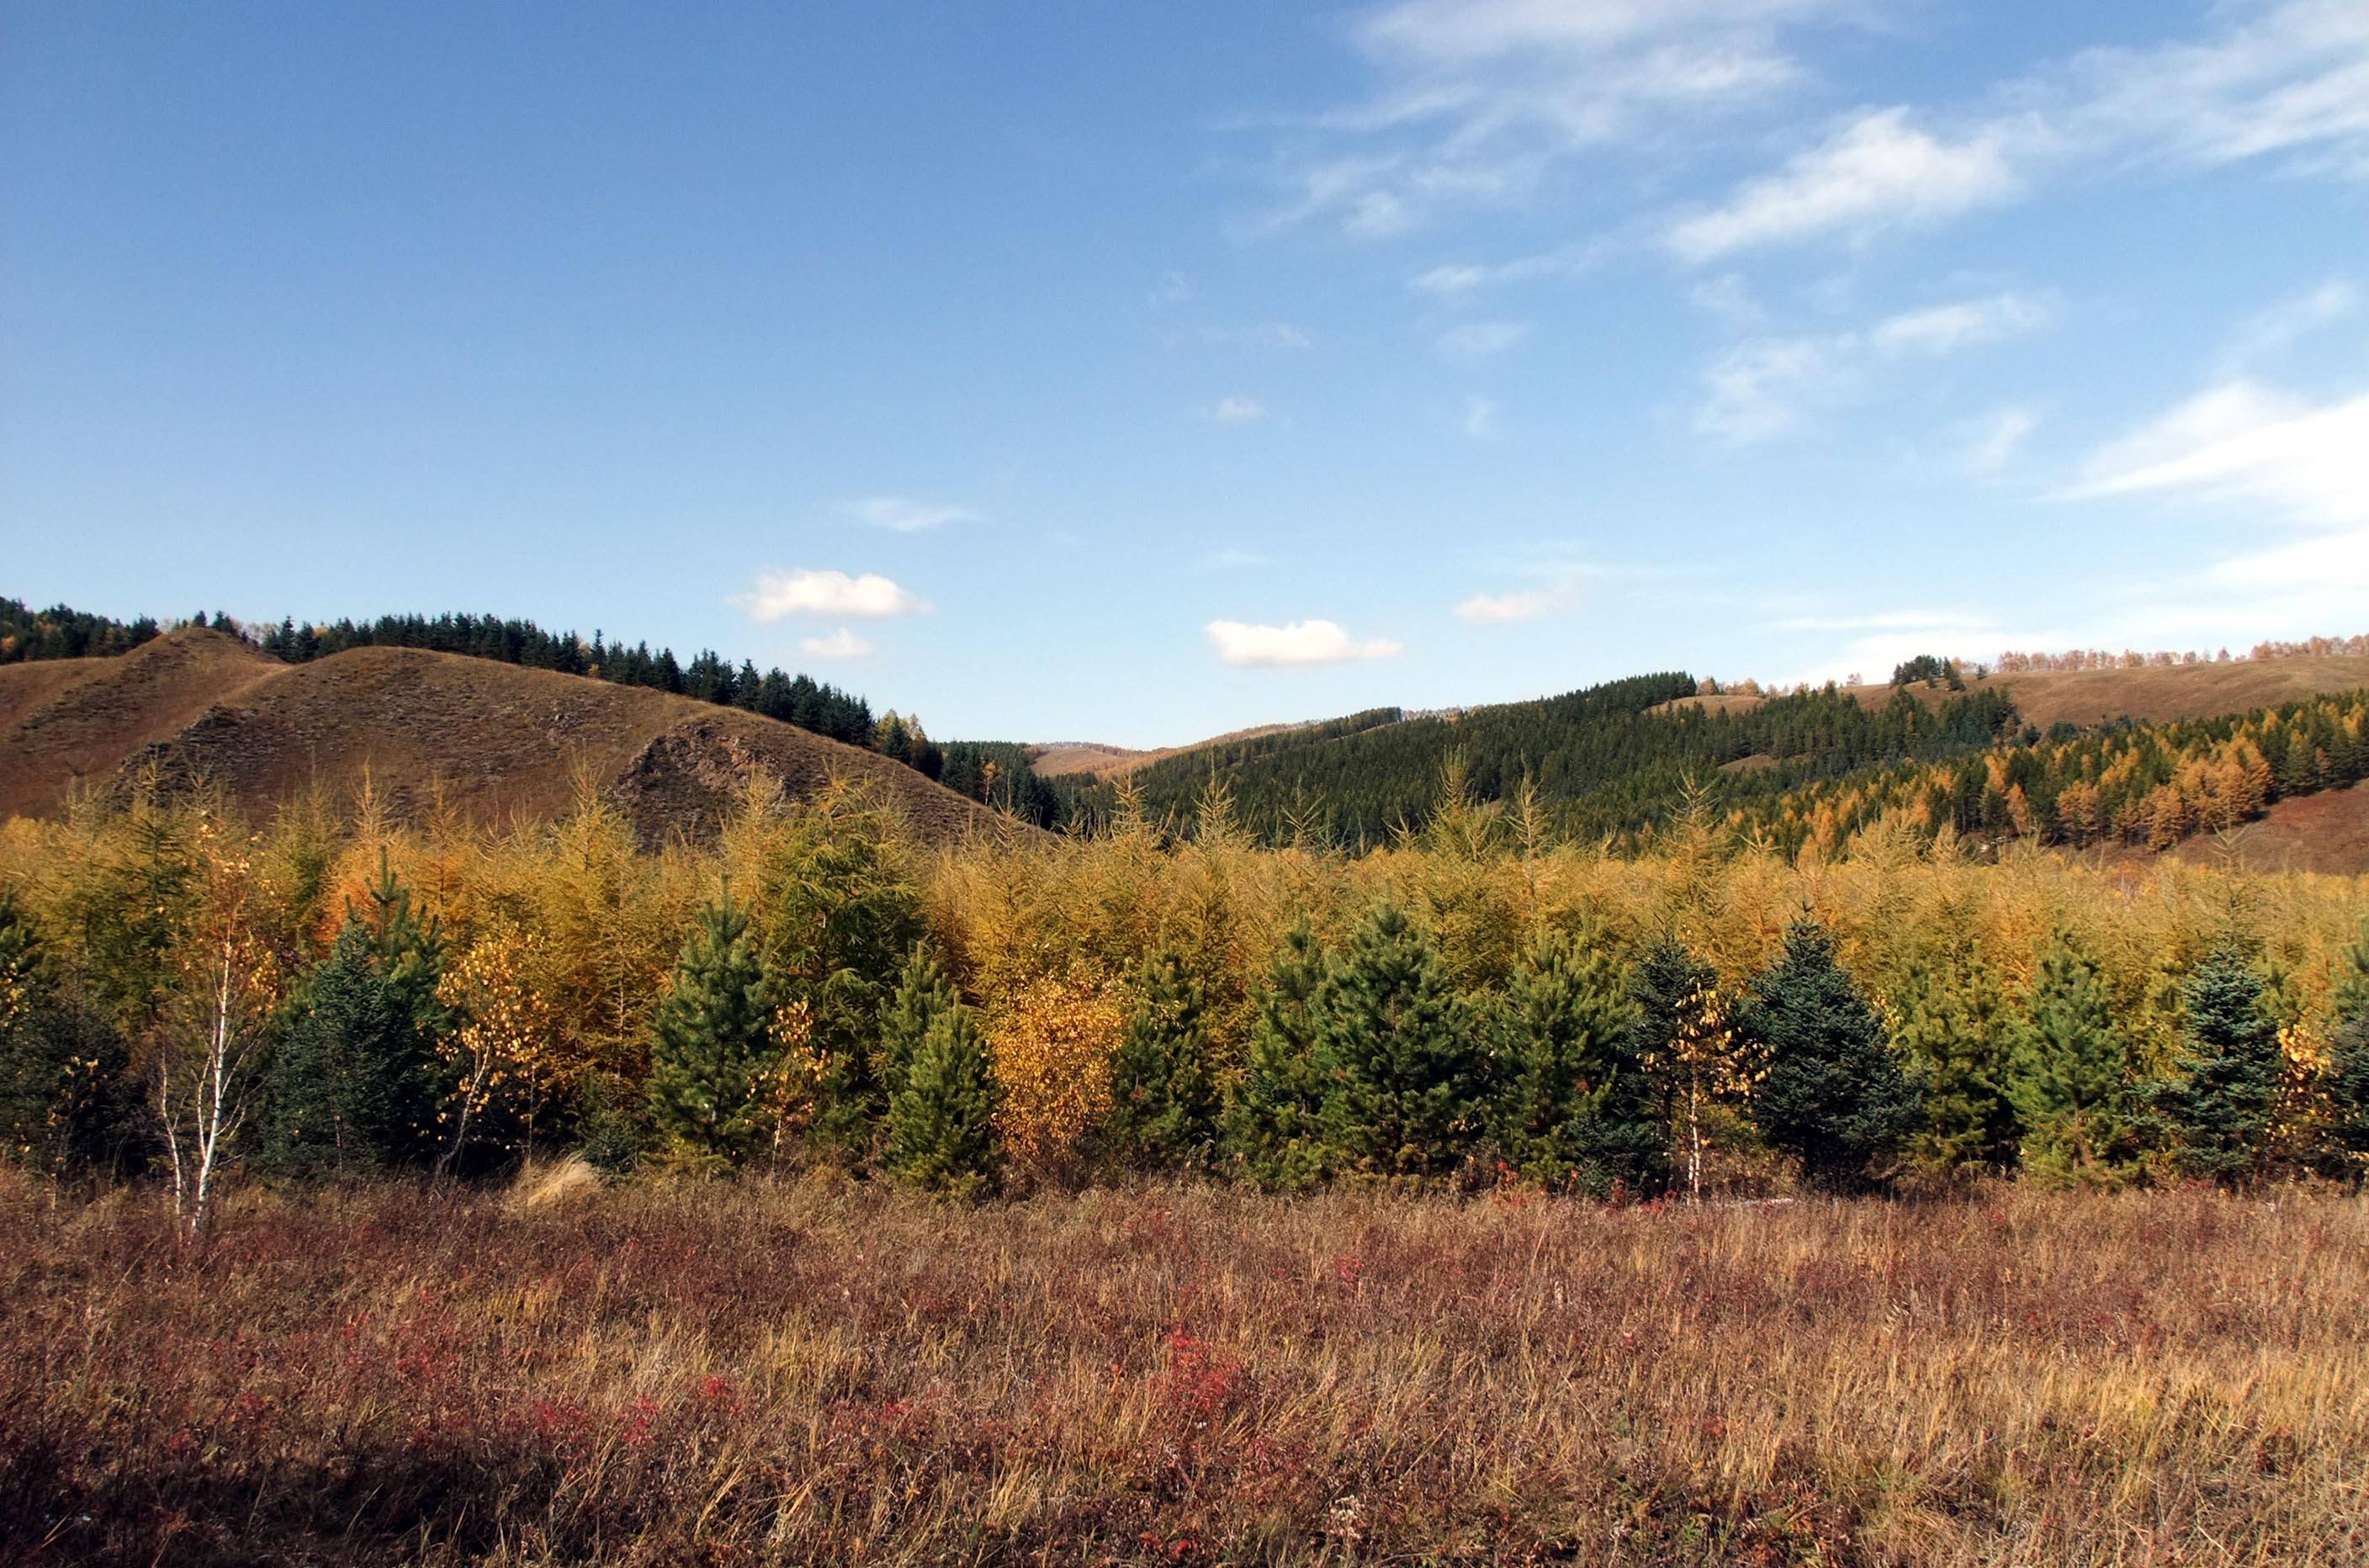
347, 1088
942, 1112
1951, 1023
1576, 1107
1410, 1081
2068, 1072
1272, 1125
2218, 1108
1163, 1108
840, 921
1830, 1094
712, 1049
923, 993
353, 1084
2348, 1075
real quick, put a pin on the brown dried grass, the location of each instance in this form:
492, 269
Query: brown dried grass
767, 1372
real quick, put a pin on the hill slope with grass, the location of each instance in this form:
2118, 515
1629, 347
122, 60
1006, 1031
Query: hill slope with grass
495, 742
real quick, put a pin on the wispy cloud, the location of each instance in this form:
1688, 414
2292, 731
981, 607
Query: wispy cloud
1768, 386
1296, 644
1237, 410
781, 595
902, 514
2258, 453
2243, 440
1479, 103
2275, 78
1876, 172
1479, 339
1761, 389
1480, 420
1528, 604
1990, 444
1964, 323
842, 644
2273, 331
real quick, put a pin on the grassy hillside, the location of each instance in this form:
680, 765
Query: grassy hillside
2149, 695
493, 741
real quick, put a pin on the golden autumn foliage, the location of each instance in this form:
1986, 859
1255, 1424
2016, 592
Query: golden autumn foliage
1051, 1048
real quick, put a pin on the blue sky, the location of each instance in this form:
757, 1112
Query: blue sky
1133, 373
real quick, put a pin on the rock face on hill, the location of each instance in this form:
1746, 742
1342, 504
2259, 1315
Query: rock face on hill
495, 742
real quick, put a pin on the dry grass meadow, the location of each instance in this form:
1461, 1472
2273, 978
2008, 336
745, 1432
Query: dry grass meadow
767, 1371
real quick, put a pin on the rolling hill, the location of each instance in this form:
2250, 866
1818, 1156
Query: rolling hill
497, 742
2147, 694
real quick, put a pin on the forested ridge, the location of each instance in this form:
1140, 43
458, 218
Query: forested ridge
62, 632
1610, 762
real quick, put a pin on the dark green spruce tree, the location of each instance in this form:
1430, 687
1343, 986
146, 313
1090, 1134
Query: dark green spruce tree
712, 1049
1575, 1109
352, 1084
2347, 1075
2069, 1071
1163, 1108
2218, 1106
941, 1114
1830, 1094
1272, 1121
1410, 1090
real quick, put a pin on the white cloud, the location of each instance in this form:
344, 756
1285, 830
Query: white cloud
1480, 420
780, 595
1499, 608
1876, 173
2284, 78
1945, 329
842, 644
1479, 339
1762, 388
2281, 326
1993, 442
902, 514
1483, 102
2247, 441
1237, 410
2290, 77
1768, 386
1453, 279
2270, 455
1299, 643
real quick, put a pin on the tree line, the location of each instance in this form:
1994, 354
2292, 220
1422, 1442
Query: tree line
185, 996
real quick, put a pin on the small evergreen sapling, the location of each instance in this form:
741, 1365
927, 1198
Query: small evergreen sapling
1410, 1081
1831, 1094
1576, 1107
1272, 1118
2069, 1071
1952, 1026
1164, 1106
711, 1050
2219, 1107
2347, 1067
942, 1116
